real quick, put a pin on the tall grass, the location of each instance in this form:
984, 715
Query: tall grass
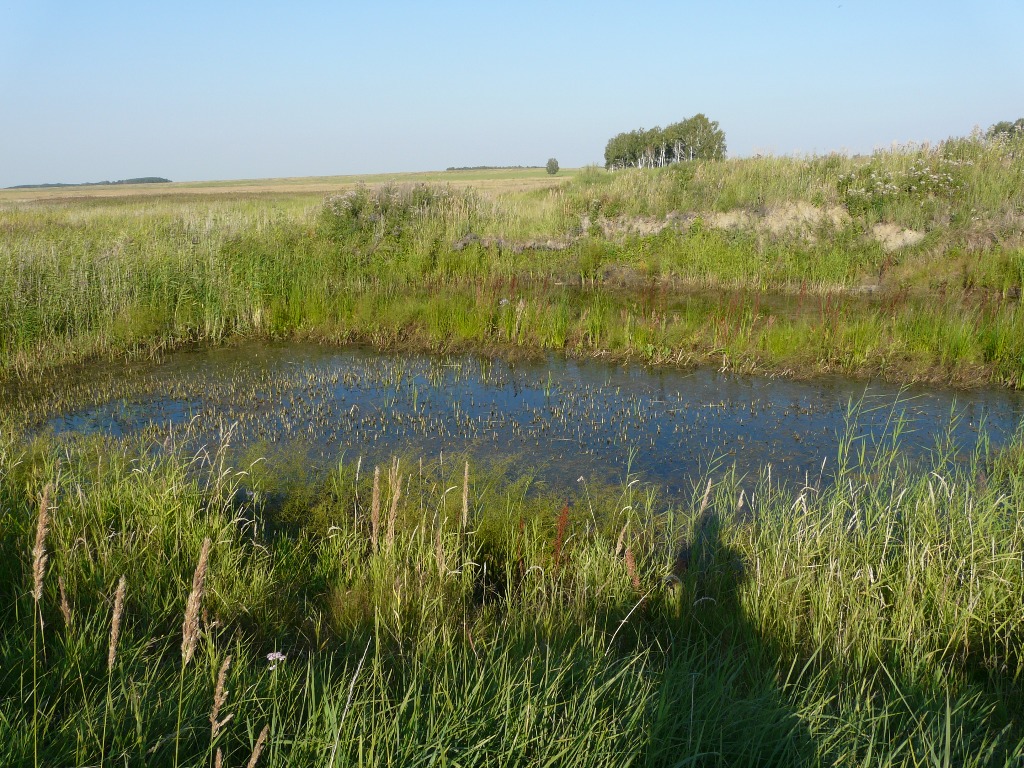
137, 275
877, 620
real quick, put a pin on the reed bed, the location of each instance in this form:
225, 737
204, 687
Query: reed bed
595, 266
185, 615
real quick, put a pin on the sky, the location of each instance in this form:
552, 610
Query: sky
230, 90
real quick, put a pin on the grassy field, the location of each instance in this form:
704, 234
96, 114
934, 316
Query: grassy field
905, 264
163, 609
497, 179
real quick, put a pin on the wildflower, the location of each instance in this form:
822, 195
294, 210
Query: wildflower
274, 658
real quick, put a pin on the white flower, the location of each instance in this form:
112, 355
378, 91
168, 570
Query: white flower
275, 658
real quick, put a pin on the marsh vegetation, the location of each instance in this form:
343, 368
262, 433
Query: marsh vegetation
274, 552
411, 612
905, 265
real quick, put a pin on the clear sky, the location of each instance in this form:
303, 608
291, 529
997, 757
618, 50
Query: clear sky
207, 90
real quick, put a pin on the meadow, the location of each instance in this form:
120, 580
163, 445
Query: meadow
167, 605
160, 609
905, 265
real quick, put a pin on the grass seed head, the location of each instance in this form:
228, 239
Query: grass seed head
220, 695
115, 623
65, 606
634, 577
465, 498
259, 746
190, 627
39, 550
442, 566
375, 509
396, 494
622, 540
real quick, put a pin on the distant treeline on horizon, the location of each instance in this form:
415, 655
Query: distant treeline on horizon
492, 167
141, 180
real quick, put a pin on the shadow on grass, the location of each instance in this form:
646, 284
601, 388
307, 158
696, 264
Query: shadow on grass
721, 698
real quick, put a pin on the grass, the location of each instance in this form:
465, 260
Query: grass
496, 179
800, 277
444, 613
875, 621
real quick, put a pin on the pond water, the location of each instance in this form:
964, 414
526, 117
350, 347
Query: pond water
563, 419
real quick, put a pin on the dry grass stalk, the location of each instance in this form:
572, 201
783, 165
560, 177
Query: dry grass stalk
218, 760
622, 540
375, 509
442, 565
634, 577
704, 501
39, 550
395, 480
220, 695
259, 746
65, 606
465, 498
190, 627
115, 623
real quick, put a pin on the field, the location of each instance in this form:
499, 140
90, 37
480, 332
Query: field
904, 265
498, 179
442, 613
163, 605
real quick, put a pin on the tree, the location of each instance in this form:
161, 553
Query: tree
1016, 128
552, 166
695, 138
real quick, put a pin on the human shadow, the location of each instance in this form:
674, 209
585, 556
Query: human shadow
722, 697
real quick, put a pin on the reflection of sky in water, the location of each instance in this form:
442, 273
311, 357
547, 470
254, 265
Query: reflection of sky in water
565, 418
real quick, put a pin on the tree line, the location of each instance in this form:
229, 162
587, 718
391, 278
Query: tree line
1005, 127
696, 138
140, 180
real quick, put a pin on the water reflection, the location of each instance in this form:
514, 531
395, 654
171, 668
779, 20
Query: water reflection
565, 418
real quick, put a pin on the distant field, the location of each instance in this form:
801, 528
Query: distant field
491, 180
906, 265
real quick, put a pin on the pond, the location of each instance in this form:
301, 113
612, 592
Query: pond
559, 418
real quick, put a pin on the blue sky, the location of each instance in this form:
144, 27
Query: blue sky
207, 90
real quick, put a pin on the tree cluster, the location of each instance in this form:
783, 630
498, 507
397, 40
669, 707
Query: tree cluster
696, 138
1016, 128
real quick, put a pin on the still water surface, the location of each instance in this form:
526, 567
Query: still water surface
563, 418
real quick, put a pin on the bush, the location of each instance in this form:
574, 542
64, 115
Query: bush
552, 166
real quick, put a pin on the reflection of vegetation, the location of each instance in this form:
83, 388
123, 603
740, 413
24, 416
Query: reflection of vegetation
604, 264
878, 620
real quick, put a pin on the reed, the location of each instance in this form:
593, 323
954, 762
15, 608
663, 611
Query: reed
465, 498
430, 266
873, 619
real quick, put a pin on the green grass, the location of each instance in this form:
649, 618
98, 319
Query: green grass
429, 264
877, 621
